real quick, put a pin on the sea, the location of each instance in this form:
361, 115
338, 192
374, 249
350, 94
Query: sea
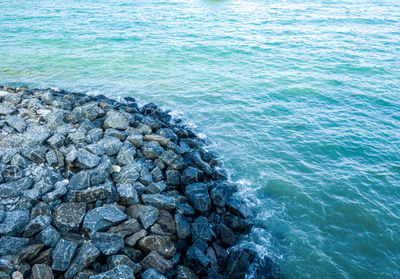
299, 99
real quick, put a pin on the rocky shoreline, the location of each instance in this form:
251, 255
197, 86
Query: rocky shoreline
92, 187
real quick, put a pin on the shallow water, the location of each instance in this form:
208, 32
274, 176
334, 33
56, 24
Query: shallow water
300, 99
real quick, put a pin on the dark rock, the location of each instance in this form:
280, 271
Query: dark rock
155, 261
36, 225
213, 258
221, 193
238, 224
115, 260
196, 257
58, 192
101, 172
267, 269
182, 226
161, 244
197, 195
56, 141
19, 161
12, 245
126, 155
100, 192
238, 263
48, 236
133, 239
183, 272
156, 187
167, 222
148, 215
119, 272
172, 160
15, 122
42, 271
190, 175
69, 216
107, 243
145, 176
238, 207
87, 160
91, 111
152, 274
200, 163
127, 194
157, 174
173, 177
62, 254
201, 229
184, 208
28, 253
136, 140
40, 209
55, 119
159, 201
226, 235
103, 218
212, 274
152, 149
12, 173
80, 181
14, 222
128, 174
115, 120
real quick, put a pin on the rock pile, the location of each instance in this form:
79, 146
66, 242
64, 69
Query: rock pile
95, 188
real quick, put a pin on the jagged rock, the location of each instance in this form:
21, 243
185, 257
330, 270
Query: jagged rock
173, 177
4, 110
201, 229
100, 192
238, 263
121, 135
152, 274
157, 174
159, 201
115, 260
80, 181
148, 216
172, 160
200, 163
111, 145
182, 226
56, 141
133, 239
48, 236
167, 222
103, 218
107, 243
115, 120
155, 261
238, 207
119, 272
126, 155
100, 173
15, 122
36, 225
156, 187
198, 197
221, 193
62, 254
127, 193
12, 173
136, 140
76, 138
87, 160
238, 224
55, 119
91, 111
152, 149
183, 272
128, 174
19, 161
190, 175
94, 135
195, 257
158, 138
145, 176
69, 216
14, 222
226, 235
59, 191
28, 253
184, 208
15, 188
161, 244
42, 271
12, 245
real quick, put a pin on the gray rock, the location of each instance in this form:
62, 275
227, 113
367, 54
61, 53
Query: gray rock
7, 154
183, 272
200, 163
91, 111
152, 274
196, 257
69, 216
126, 155
198, 197
40, 209
15, 122
12, 245
119, 272
182, 226
161, 244
51, 158
160, 201
237, 206
201, 229
56, 141
103, 191
4, 110
221, 193
48, 236
110, 145
19, 161
145, 176
155, 261
42, 271
87, 160
158, 138
238, 263
128, 174
28, 253
15, 188
103, 218
173, 177
172, 160
94, 135
76, 138
35, 154
14, 222
157, 174
101, 172
190, 175
127, 194
55, 119
107, 243
152, 149
116, 134
148, 215
133, 239
156, 187
136, 140
116, 260
12, 173
115, 120
59, 191
36, 225
80, 181
71, 156
62, 254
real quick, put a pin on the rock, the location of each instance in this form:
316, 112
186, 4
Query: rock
167, 222
184, 208
80, 181
221, 193
48, 236
152, 274
55, 119
128, 174
51, 158
76, 138
101, 172
36, 225
196, 257
119, 272
238, 207
28, 253
115, 120
183, 272
159, 201
160, 139
152, 149
14, 222
148, 216
182, 226
201, 229
172, 160
238, 224
110, 145
133, 239
12, 173
238, 263
100, 192
157, 174
212, 274
145, 176
19, 161
62, 254
12, 245
4, 110
42, 271
155, 261
190, 175
226, 235
115, 260
126, 155
173, 177
17, 275
267, 269
87, 160
15, 122
59, 191
69, 216
103, 218
127, 194
91, 111
107, 243
156, 187
136, 140
94, 135
56, 141
198, 197
161, 244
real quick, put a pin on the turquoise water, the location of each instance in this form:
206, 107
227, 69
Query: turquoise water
300, 99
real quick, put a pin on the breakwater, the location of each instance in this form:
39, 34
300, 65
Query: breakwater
96, 188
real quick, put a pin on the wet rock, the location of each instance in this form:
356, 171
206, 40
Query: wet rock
238, 207
12, 245
152, 149
42, 271
148, 215
155, 261
190, 175
107, 243
80, 181
115, 120
133, 239
238, 224
159, 201
152, 274
173, 177
15, 122
87, 160
201, 229
103, 218
172, 160
161, 244
115, 260
267, 269
69, 216
36, 225
62, 254
182, 226
221, 193
226, 235
200, 163
127, 194
119, 272
198, 197
238, 263
48, 236
14, 222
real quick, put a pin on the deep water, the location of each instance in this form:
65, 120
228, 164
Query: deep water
299, 99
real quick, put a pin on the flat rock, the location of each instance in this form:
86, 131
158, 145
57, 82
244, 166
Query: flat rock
103, 218
107, 243
159, 201
69, 216
80, 181
158, 138
62, 254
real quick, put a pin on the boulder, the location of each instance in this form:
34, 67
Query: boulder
115, 120
198, 197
